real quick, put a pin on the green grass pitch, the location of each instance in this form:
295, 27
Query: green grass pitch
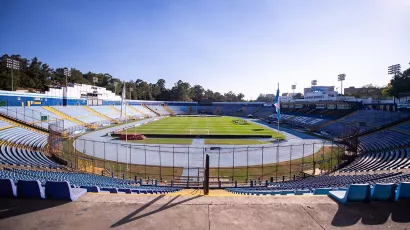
202, 125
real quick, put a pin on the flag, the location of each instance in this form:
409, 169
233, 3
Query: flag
277, 104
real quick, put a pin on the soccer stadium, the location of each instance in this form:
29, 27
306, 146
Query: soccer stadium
87, 150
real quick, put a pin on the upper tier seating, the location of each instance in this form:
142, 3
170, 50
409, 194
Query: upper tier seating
107, 111
79, 113
303, 121
366, 120
144, 110
127, 109
159, 109
266, 111
178, 110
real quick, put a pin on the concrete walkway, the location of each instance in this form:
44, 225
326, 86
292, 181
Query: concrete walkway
124, 211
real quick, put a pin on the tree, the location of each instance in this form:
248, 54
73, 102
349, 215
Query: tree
265, 98
400, 83
197, 92
240, 96
230, 96
36, 75
181, 91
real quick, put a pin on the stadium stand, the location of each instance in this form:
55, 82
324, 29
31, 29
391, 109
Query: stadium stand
80, 113
127, 110
144, 110
178, 110
264, 112
151, 110
404, 128
89, 182
159, 109
323, 184
391, 160
367, 120
300, 121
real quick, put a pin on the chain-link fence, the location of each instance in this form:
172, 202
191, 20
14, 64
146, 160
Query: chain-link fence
184, 165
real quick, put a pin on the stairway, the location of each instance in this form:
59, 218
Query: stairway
6, 127
116, 110
65, 116
168, 110
136, 110
218, 109
261, 108
98, 114
21, 125
151, 110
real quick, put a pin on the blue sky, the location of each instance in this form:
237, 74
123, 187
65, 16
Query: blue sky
243, 46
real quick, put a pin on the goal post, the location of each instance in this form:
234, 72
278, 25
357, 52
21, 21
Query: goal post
199, 132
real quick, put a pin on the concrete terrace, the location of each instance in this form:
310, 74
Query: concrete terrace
191, 210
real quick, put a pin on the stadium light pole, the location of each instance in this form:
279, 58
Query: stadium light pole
341, 78
95, 80
67, 73
313, 83
293, 88
394, 69
131, 89
12, 64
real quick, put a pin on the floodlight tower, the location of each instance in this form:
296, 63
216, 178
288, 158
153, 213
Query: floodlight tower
95, 80
293, 89
12, 64
394, 69
67, 73
341, 78
313, 83
131, 89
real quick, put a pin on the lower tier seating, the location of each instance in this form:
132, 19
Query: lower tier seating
322, 183
84, 180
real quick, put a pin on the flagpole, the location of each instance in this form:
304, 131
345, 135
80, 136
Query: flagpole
278, 111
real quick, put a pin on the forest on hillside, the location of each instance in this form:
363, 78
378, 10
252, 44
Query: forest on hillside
35, 75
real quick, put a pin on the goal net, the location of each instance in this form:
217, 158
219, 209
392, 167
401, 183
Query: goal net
198, 131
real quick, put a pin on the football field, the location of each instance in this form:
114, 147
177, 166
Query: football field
231, 126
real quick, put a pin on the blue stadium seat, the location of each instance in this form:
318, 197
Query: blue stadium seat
61, 190
403, 191
30, 189
301, 192
111, 190
383, 192
355, 193
322, 191
7, 188
91, 188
